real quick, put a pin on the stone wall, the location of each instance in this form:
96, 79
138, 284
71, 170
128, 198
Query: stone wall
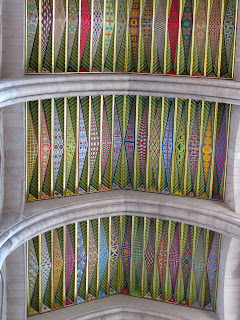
232, 282
16, 284
13, 38
3, 293
232, 194
14, 159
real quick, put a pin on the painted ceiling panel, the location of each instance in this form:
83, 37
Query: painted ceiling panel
91, 144
150, 258
178, 37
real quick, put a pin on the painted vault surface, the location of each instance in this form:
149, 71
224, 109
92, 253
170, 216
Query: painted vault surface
178, 37
138, 256
99, 143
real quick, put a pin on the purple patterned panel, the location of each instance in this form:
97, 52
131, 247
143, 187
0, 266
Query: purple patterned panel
69, 263
83, 145
130, 141
167, 144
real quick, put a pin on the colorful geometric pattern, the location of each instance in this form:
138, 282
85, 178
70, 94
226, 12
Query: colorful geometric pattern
140, 256
45, 149
81, 260
70, 263
95, 144
71, 145
58, 264
141, 143
117, 146
83, 144
33, 267
73, 25
47, 35
228, 33
32, 150
120, 36
59, 147
97, 35
46, 267
176, 146
129, 143
221, 153
187, 260
103, 259
154, 146
145, 57
60, 36
134, 30
149, 254
126, 253
85, 35
193, 151
110, 26
167, 144
32, 36
106, 143
92, 260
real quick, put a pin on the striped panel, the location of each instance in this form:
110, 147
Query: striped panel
173, 26
83, 144
46, 134
71, 145
73, 23
117, 146
214, 33
103, 265
193, 150
85, 35
58, 156
32, 35
32, 150
228, 34
141, 142
46, 271
107, 144
58, 267
167, 145
97, 35
93, 260
60, 33
81, 261
134, 31
95, 143
70, 264
121, 35
221, 149
47, 20
33, 274
147, 35
106, 147
110, 26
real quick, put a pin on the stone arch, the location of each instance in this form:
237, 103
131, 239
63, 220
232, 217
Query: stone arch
233, 165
